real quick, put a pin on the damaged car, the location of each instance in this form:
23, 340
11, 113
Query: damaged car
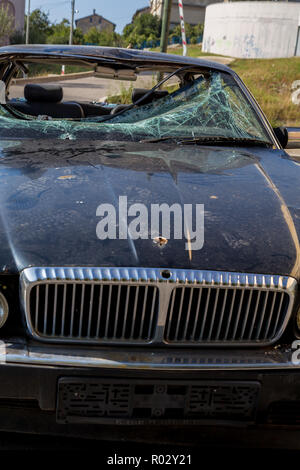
109, 324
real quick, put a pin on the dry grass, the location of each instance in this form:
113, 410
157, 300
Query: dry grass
270, 81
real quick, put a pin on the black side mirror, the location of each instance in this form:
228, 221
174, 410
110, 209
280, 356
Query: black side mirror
289, 137
282, 135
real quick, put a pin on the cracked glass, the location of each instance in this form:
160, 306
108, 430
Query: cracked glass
210, 105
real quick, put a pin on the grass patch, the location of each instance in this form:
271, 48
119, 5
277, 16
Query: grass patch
124, 97
270, 81
193, 51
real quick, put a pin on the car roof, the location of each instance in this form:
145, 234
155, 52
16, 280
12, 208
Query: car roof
105, 54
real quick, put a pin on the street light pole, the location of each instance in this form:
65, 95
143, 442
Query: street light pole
72, 21
27, 22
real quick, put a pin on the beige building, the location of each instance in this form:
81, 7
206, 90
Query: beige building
94, 21
194, 10
16, 8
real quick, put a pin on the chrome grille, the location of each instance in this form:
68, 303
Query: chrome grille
213, 314
94, 311
153, 306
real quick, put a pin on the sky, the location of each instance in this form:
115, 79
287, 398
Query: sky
118, 11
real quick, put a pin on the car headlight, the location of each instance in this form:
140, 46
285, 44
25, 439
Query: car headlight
3, 309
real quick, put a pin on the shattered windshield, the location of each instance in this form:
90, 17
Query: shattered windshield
210, 105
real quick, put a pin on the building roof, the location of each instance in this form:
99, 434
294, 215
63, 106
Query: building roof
94, 14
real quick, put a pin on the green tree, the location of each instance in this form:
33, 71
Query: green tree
192, 32
6, 23
102, 38
145, 27
39, 30
39, 27
60, 33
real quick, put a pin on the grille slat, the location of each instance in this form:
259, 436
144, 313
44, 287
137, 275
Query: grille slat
152, 316
99, 312
205, 314
179, 314
134, 311
63, 311
105, 305
46, 309
188, 313
266, 333
213, 315
197, 314
278, 314
90, 311
125, 311
222, 315
230, 316
54, 310
255, 314
143, 311
262, 315
247, 314
37, 307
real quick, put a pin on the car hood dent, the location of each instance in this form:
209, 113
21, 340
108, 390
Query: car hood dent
50, 191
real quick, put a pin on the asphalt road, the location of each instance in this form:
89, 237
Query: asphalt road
89, 88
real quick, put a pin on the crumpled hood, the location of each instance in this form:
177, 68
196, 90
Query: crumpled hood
50, 191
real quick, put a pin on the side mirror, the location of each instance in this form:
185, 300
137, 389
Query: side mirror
289, 137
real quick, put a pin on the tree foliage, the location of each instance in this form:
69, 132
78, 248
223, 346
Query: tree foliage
39, 29
6, 23
145, 27
192, 32
102, 38
60, 34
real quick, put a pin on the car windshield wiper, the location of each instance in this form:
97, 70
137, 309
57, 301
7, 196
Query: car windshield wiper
211, 140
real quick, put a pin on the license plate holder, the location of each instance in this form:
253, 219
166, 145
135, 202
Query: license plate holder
98, 400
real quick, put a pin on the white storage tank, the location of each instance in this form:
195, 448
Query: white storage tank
253, 29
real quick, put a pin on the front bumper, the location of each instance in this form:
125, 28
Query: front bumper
30, 373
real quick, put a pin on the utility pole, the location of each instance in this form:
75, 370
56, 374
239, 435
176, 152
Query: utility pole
72, 21
27, 22
167, 6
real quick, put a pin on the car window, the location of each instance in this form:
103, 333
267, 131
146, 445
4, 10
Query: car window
210, 105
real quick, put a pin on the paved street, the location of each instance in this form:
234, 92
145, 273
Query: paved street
89, 88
